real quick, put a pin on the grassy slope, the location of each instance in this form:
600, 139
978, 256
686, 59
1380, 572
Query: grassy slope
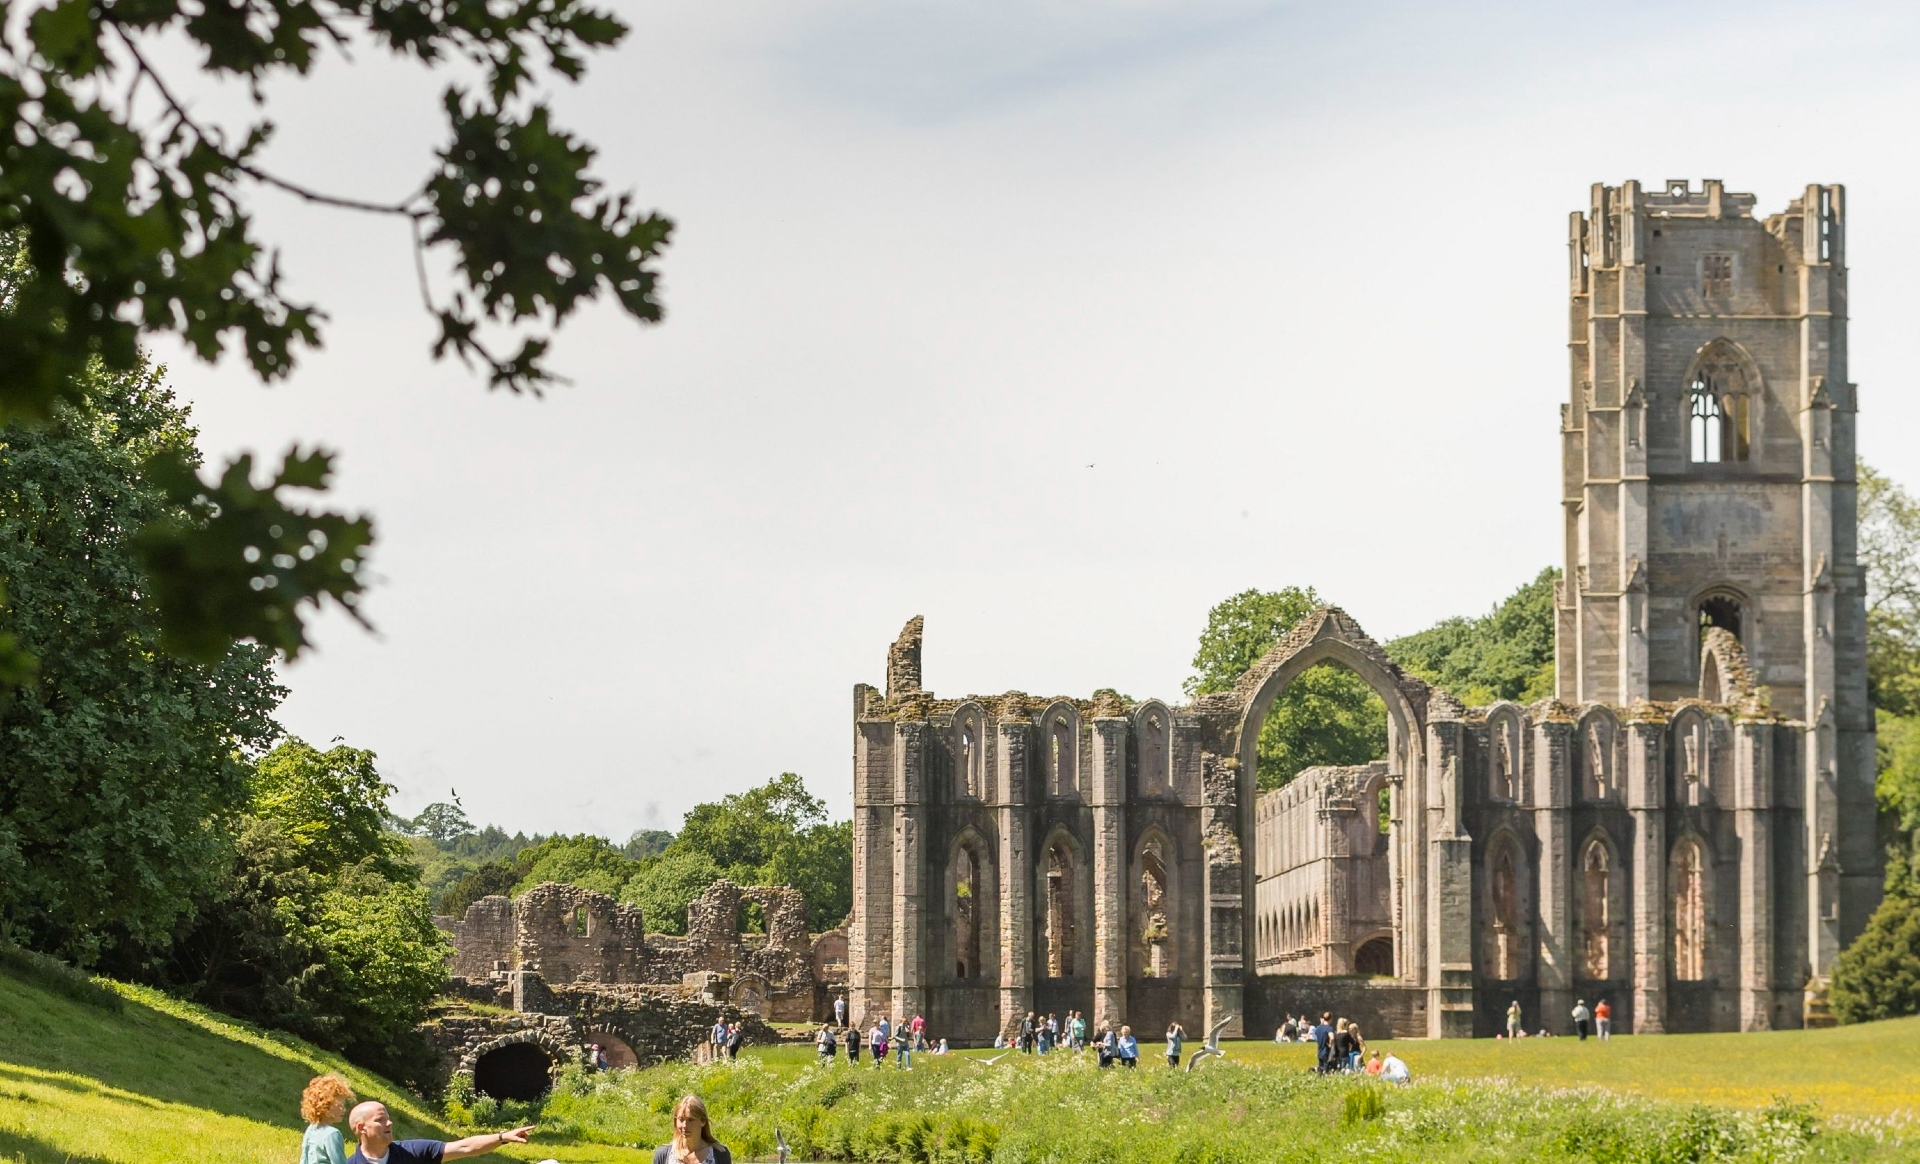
164, 1081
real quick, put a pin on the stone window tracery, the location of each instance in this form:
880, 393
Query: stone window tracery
1716, 275
1719, 411
1506, 758
1597, 782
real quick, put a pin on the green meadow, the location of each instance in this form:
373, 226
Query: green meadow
145, 1079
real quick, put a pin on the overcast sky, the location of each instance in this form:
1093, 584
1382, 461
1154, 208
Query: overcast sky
1053, 322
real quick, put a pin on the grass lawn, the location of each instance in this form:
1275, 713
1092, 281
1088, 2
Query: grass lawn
1867, 1070
163, 1082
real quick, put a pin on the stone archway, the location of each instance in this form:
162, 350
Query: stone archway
521, 1071
619, 1052
1329, 635
516, 1063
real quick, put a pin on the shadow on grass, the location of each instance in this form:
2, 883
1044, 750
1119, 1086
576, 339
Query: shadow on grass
13, 1145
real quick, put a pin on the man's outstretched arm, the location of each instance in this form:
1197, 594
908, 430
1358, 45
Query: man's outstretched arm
481, 1145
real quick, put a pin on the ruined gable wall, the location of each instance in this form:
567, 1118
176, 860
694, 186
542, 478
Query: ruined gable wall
572, 934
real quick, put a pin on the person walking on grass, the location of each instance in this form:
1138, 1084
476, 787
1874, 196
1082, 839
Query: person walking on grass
853, 1045
1582, 1018
1359, 1047
1603, 1020
1079, 1026
903, 1046
1103, 1044
736, 1037
877, 1043
323, 1104
693, 1141
373, 1127
825, 1041
1514, 1025
1026, 1034
1176, 1039
1127, 1048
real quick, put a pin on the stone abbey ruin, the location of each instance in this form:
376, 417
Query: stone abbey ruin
1685, 829
565, 968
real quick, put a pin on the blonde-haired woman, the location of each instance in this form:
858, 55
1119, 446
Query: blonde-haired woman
323, 1104
692, 1137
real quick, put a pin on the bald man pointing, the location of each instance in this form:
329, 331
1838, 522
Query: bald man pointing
374, 1128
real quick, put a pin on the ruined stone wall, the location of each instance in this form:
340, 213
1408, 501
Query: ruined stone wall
483, 939
570, 934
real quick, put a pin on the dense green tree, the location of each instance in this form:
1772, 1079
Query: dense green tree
1506, 653
483, 880
645, 843
587, 861
667, 882
442, 823
134, 215
320, 926
1328, 715
1878, 976
1890, 557
118, 763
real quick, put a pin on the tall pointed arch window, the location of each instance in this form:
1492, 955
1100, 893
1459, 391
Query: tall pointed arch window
1596, 912
1719, 410
1689, 913
966, 913
1059, 905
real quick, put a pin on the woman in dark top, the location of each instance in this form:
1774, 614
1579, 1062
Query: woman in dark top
692, 1137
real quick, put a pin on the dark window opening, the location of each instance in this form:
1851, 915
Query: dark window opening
1722, 612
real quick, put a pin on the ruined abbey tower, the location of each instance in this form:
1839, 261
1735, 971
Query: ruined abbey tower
1685, 830
1709, 453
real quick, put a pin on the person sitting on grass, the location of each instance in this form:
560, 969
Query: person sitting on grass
323, 1104
374, 1128
1374, 1066
1394, 1071
693, 1141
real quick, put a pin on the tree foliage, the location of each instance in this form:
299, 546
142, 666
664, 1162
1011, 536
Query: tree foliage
1878, 976
1890, 557
117, 761
320, 926
665, 884
133, 215
1328, 715
1506, 653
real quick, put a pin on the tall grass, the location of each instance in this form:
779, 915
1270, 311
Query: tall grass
1063, 1110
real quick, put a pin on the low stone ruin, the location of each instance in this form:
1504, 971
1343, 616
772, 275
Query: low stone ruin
564, 964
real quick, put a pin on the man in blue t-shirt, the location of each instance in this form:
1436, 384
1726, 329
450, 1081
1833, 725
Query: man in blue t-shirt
1323, 1044
374, 1128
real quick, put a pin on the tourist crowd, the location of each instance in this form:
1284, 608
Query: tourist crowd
1339, 1048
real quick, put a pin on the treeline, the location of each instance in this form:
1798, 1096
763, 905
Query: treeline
776, 834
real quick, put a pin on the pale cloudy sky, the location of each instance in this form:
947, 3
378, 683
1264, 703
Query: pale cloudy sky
1053, 322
